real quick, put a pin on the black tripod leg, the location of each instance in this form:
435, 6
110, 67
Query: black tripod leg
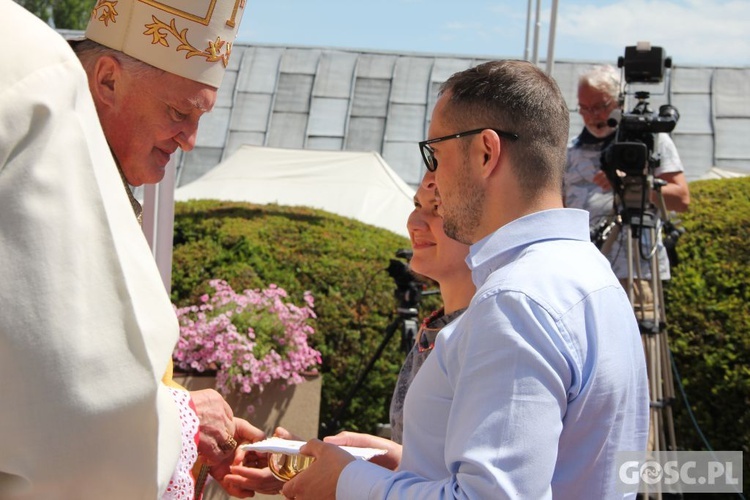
335, 422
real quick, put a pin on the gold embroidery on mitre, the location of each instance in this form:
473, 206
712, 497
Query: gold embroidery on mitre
237, 5
201, 19
108, 12
159, 30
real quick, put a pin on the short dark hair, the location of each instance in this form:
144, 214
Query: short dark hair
515, 96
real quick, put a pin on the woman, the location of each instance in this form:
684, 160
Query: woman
437, 257
441, 259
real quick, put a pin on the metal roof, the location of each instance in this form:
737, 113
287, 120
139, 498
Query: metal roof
363, 100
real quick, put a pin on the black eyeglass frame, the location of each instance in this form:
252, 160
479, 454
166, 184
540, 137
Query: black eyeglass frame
428, 154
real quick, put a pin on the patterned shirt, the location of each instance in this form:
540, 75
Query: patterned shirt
584, 161
414, 359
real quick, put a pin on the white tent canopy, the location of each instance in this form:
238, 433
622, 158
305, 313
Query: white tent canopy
723, 173
353, 184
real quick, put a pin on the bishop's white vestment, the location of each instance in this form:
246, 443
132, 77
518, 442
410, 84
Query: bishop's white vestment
86, 329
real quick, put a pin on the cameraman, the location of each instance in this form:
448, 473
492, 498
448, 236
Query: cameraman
587, 187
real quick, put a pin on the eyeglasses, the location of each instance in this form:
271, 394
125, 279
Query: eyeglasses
597, 108
428, 154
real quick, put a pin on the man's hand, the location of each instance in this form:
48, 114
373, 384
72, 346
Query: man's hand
244, 433
390, 460
282, 433
601, 180
320, 479
676, 193
217, 426
249, 472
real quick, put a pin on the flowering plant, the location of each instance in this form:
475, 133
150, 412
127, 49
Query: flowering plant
249, 338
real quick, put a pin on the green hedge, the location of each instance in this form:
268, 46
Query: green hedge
709, 317
342, 261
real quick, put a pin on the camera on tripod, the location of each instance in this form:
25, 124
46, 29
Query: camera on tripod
630, 160
408, 295
408, 290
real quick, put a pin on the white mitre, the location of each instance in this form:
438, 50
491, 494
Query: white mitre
189, 38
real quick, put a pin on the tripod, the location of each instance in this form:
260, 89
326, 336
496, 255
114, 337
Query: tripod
636, 223
407, 320
408, 294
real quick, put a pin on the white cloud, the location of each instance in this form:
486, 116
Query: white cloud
706, 32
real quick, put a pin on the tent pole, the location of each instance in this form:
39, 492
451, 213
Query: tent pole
537, 26
551, 41
158, 222
526, 50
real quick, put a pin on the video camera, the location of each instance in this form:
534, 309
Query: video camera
408, 295
408, 289
632, 152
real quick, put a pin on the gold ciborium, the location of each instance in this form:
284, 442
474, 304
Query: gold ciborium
287, 465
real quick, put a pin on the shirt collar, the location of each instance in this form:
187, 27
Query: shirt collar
504, 245
134, 203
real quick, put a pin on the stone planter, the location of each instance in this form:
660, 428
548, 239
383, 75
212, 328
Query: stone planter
296, 408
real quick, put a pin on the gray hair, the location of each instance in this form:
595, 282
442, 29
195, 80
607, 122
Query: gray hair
604, 78
518, 97
89, 51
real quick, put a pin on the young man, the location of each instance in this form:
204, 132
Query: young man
536, 387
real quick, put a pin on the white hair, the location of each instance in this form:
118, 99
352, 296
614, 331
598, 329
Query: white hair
603, 78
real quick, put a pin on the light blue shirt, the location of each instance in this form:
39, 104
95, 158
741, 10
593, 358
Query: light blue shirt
534, 389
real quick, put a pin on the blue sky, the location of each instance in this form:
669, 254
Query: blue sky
693, 32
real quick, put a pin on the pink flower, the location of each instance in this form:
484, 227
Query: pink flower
250, 339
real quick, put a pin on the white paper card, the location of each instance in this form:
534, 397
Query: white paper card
279, 445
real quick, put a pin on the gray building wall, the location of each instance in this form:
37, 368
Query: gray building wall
340, 99
358, 100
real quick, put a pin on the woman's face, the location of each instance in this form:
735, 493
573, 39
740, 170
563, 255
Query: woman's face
435, 255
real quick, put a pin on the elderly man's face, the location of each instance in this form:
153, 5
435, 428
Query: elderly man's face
152, 118
595, 106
